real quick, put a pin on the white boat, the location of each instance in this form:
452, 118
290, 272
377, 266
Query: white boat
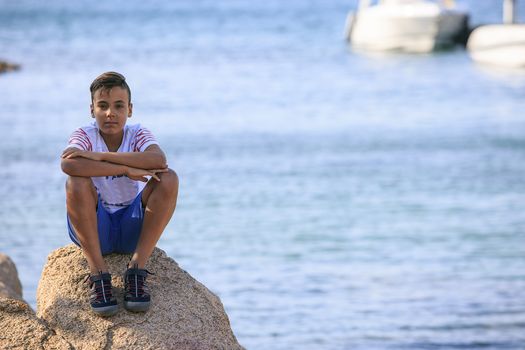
500, 44
416, 26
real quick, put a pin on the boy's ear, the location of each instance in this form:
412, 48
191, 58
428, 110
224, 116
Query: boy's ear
130, 110
92, 111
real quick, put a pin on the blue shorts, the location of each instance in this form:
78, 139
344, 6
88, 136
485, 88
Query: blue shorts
118, 232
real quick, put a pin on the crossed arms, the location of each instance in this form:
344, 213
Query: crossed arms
135, 165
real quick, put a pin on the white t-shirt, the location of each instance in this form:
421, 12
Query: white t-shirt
116, 192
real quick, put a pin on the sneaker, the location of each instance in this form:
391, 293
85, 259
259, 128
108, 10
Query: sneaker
136, 293
101, 298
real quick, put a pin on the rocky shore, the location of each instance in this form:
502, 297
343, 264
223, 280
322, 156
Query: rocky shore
8, 67
184, 315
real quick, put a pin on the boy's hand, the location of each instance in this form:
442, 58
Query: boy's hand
75, 152
140, 174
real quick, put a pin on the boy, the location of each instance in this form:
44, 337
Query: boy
109, 209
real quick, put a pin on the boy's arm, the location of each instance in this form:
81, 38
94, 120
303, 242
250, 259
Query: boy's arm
152, 157
80, 166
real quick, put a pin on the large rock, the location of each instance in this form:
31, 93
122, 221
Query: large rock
10, 286
19, 326
184, 313
21, 329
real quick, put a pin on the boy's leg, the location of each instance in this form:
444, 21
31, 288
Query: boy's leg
159, 200
81, 201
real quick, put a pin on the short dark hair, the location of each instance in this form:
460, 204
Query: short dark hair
107, 81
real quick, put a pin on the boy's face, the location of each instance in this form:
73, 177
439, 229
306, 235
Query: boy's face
111, 108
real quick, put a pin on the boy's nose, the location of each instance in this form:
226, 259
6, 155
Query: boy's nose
109, 113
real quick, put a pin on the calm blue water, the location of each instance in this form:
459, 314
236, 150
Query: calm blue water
332, 200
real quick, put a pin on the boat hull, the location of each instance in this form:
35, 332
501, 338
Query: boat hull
409, 28
500, 45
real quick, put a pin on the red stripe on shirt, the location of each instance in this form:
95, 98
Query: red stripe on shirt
146, 140
142, 137
79, 142
90, 148
80, 138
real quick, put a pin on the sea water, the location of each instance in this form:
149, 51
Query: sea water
332, 199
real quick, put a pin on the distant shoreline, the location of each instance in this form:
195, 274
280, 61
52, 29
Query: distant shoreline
8, 67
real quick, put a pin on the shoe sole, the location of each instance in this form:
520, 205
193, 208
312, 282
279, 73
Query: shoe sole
105, 311
137, 306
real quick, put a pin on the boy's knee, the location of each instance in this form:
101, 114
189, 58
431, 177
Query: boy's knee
170, 181
79, 185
